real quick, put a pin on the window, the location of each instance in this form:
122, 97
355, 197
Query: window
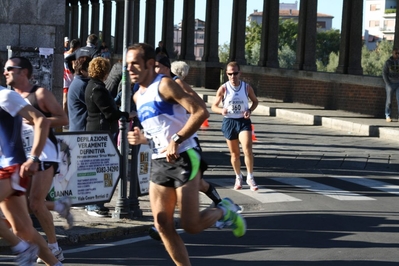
374, 23
375, 7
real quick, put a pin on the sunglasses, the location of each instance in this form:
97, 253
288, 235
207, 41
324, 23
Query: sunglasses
9, 68
234, 73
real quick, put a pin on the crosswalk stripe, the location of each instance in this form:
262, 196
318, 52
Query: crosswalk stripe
322, 189
263, 195
375, 184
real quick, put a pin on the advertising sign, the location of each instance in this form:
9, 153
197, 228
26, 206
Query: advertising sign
89, 167
144, 166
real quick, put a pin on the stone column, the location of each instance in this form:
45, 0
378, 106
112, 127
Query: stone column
84, 19
119, 21
237, 39
211, 41
150, 20
350, 52
188, 28
396, 34
269, 42
67, 28
168, 26
74, 20
107, 16
307, 32
136, 21
95, 17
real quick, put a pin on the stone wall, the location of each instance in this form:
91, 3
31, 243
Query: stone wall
38, 23
352, 93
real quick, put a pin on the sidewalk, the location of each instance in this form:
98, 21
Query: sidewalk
91, 228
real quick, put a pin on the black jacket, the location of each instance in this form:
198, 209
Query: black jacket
102, 113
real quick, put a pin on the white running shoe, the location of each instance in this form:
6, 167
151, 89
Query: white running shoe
65, 212
252, 184
238, 184
28, 257
57, 253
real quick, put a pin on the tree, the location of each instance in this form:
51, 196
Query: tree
253, 34
288, 33
286, 57
373, 61
224, 52
327, 42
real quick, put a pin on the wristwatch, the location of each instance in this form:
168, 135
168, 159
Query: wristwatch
35, 159
176, 138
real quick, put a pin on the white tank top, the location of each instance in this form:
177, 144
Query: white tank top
50, 151
161, 119
235, 100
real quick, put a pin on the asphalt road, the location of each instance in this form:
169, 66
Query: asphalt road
326, 198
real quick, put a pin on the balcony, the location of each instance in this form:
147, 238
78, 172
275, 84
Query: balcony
387, 29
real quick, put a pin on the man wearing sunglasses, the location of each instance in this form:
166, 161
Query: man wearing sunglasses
390, 74
18, 71
236, 125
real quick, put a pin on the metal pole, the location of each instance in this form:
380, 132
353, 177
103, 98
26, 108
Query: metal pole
122, 207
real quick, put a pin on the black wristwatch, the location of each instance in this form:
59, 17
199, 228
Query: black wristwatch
35, 159
176, 138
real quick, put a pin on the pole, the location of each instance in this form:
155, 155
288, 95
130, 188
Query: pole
122, 206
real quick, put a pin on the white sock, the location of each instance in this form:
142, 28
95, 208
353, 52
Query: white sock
20, 247
53, 246
58, 207
250, 176
239, 176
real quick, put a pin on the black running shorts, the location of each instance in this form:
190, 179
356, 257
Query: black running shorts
176, 174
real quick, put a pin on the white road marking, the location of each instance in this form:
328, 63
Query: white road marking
371, 183
264, 195
322, 189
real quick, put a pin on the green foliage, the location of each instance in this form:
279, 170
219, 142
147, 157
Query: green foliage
390, 10
288, 32
373, 61
327, 42
224, 52
253, 35
332, 65
286, 57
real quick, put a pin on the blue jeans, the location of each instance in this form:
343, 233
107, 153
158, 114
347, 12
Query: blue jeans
390, 89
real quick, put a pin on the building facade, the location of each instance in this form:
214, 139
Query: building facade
379, 21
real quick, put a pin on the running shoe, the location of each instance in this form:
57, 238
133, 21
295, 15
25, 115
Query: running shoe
252, 184
65, 212
57, 253
238, 184
231, 218
28, 257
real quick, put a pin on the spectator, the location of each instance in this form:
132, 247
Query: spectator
390, 75
90, 49
68, 76
66, 44
102, 112
161, 49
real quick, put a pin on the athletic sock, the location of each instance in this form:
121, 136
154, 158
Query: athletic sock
53, 246
20, 247
213, 194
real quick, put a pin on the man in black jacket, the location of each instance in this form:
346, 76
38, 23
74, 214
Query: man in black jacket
89, 50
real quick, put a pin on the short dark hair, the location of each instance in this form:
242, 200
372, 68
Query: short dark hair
81, 64
24, 63
92, 38
147, 52
74, 44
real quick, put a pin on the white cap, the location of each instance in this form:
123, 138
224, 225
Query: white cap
66, 39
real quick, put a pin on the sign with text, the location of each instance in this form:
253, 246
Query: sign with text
144, 167
89, 167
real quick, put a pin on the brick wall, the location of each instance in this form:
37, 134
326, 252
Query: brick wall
358, 94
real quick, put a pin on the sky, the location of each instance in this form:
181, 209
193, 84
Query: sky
333, 8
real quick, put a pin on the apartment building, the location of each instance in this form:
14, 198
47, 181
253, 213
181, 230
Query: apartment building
199, 35
379, 21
